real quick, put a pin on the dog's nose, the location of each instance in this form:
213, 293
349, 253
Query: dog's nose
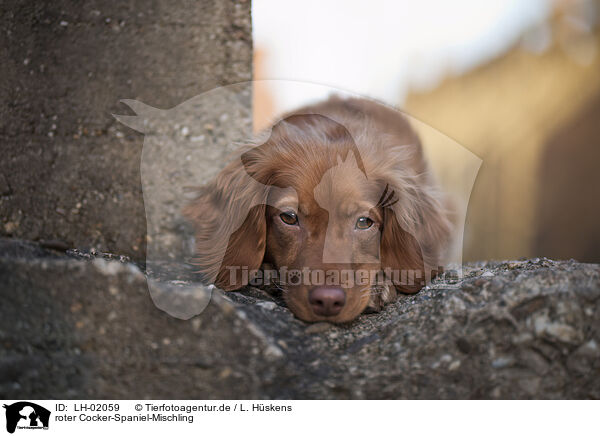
326, 301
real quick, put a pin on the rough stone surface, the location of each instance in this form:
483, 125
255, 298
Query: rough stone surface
68, 170
185, 147
76, 328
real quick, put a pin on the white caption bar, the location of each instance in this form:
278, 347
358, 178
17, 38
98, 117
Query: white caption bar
157, 417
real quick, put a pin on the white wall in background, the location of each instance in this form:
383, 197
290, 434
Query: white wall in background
383, 48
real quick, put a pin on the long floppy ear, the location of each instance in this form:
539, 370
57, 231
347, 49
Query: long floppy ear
401, 255
415, 232
229, 219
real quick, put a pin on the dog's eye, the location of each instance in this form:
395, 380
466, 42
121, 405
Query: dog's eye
290, 218
363, 223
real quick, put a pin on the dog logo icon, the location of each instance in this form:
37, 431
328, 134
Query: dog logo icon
26, 415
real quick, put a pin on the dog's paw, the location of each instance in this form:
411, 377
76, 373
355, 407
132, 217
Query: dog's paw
380, 296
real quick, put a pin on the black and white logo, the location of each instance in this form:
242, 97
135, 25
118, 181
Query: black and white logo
26, 415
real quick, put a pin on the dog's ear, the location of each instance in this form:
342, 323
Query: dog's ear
230, 224
415, 232
401, 255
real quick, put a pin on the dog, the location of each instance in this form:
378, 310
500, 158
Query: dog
336, 201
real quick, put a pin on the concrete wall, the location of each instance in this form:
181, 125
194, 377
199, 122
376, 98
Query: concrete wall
69, 172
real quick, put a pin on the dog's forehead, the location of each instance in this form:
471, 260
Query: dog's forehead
335, 183
346, 198
346, 192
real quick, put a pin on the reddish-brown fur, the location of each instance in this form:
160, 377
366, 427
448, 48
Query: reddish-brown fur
343, 159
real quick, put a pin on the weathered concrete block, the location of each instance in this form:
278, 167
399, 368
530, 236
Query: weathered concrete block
72, 328
88, 329
68, 169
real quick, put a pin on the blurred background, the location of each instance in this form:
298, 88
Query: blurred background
517, 83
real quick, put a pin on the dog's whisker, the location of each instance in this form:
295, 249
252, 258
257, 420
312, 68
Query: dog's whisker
391, 202
381, 199
278, 287
388, 197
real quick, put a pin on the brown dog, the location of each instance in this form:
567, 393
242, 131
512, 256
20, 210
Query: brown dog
336, 205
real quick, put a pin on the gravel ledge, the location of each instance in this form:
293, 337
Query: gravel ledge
82, 326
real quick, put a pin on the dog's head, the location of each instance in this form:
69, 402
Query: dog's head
357, 212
